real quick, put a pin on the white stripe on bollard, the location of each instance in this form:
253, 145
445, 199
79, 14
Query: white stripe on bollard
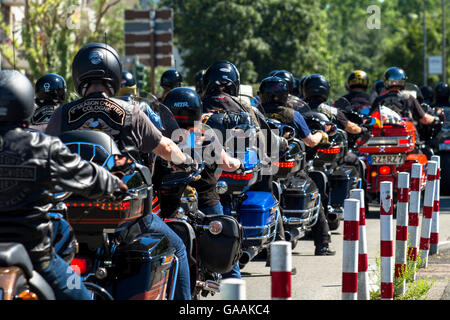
428, 200
281, 269
232, 289
350, 250
434, 236
363, 264
413, 217
386, 241
401, 238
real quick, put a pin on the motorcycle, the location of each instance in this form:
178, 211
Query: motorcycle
114, 256
257, 211
328, 160
213, 242
391, 149
297, 193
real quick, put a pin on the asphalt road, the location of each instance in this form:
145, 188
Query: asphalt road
319, 277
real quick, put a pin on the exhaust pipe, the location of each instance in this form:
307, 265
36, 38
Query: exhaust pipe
294, 234
248, 254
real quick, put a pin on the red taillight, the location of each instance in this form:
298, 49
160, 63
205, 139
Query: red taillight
403, 141
107, 206
80, 265
330, 151
289, 164
385, 170
447, 141
233, 176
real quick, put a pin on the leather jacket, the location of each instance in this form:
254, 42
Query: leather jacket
31, 165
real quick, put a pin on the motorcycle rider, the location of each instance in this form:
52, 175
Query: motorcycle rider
273, 92
170, 79
317, 90
442, 94
222, 82
128, 92
96, 73
427, 94
187, 108
50, 93
294, 101
356, 85
404, 104
33, 164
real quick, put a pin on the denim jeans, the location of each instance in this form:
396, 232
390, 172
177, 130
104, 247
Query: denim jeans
218, 209
66, 284
155, 224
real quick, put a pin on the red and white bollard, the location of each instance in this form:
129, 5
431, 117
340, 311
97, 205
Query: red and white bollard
401, 239
281, 270
350, 250
428, 203
434, 236
386, 241
413, 217
363, 264
232, 289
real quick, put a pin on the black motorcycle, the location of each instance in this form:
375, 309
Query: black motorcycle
298, 194
114, 255
213, 242
329, 160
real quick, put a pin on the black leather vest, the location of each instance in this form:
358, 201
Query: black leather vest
98, 112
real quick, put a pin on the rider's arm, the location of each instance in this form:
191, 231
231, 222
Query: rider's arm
427, 119
311, 140
228, 163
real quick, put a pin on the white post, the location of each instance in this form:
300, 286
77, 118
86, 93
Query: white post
350, 250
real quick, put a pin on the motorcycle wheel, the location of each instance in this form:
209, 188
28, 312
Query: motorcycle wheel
445, 173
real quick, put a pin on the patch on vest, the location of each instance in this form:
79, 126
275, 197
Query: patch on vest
109, 108
11, 174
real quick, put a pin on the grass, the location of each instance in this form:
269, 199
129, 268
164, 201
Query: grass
414, 289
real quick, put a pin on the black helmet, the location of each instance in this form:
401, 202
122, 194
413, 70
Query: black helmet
17, 95
379, 86
395, 77
357, 79
442, 91
185, 105
223, 74
427, 93
316, 86
273, 90
199, 85
51, 88
97, 62
286, 76
171, 78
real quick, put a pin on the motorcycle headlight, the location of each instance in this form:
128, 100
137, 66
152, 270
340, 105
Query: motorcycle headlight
215, 227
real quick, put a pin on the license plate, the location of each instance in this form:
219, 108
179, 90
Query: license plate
444, 146
383, 159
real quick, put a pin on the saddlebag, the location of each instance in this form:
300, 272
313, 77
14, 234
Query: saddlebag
220, 252
144, 266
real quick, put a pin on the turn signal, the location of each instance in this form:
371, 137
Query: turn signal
27, 295
385, 170
215, 227
79, 265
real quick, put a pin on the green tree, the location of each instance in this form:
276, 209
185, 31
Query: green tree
53, 31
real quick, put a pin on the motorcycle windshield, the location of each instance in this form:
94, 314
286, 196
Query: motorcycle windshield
159, 114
